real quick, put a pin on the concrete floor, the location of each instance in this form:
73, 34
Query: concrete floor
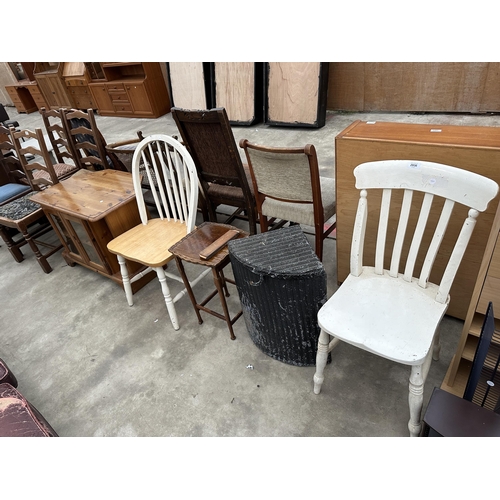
95, 367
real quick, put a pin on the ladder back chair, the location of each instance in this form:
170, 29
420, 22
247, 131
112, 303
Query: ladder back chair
224, 179
287, 186
54, 126
40, 171
89, 145
391, 309
175, 193
13, 181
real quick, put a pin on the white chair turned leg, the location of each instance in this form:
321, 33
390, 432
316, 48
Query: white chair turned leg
168, 298
321, 359
126, 280
437, 347
416, 400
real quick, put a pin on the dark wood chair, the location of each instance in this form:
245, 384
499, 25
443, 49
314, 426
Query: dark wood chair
13, 181
224, 179
87, 142
477, 414
23, 222
287, 186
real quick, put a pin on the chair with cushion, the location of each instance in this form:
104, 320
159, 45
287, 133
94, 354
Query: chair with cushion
89, 145
13, 181
23, 222
390, 308
224, 180
41, 171
176, 196
287, 186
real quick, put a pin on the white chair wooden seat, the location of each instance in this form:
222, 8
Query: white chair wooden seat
160, 157
387, 310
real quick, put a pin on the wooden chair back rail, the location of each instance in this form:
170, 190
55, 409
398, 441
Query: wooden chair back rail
42, 162
56, 132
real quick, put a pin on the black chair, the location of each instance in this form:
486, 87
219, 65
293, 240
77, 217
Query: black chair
5, 120
477, 414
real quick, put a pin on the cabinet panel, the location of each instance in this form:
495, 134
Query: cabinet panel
486, 289
490, 292
139, 99
102, 99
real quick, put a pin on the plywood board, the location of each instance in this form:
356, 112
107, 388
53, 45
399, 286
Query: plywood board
292, 92
188, 85
235, 89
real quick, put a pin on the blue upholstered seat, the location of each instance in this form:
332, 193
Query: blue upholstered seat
8, 191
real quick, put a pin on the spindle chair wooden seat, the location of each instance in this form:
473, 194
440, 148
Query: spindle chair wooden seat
384, 308
175, 193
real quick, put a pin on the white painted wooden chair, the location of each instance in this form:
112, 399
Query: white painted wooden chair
391, 313
175, 195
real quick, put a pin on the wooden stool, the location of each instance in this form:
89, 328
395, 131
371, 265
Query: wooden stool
209, 238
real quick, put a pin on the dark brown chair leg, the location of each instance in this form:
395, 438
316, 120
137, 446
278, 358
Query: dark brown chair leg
12, 246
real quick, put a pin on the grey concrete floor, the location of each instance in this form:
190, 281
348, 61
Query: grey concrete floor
95, 367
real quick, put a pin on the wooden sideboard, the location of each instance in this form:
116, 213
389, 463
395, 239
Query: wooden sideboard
134, 89
487, 289
472, 148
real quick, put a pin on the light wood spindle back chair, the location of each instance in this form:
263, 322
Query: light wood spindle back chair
175, 193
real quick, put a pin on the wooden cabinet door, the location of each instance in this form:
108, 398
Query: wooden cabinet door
59, 90
47, 91
102, 100
138, 97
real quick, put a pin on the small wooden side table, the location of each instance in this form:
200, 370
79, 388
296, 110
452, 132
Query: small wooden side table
87, 211
189, 248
